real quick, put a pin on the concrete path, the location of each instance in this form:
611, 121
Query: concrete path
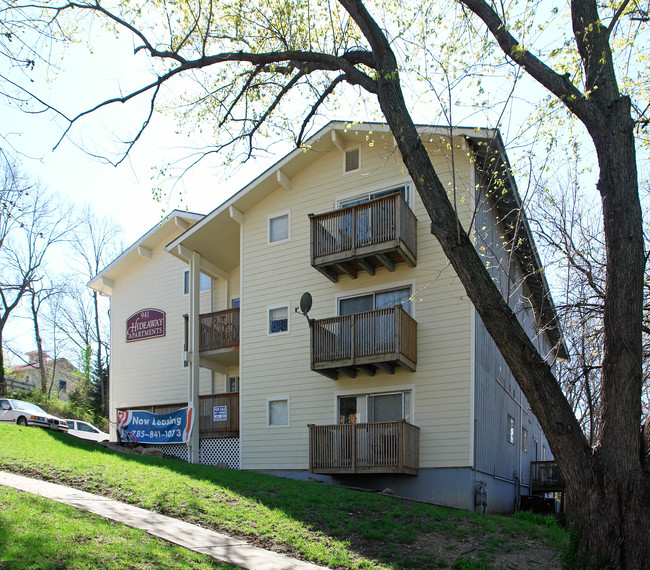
204, 541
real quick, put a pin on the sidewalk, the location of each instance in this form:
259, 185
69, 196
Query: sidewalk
204, 541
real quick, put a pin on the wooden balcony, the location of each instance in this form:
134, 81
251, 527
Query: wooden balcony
218, 336
381, 339
363, 237
208, 427
385, 447
545, 477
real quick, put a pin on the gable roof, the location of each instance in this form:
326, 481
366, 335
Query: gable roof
486, 145
161, 232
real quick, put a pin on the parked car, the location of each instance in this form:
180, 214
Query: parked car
28, 414
84, 430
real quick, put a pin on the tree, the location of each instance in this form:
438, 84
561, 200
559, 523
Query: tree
250, 58
96, 242
569, 232
42, 292
31, 222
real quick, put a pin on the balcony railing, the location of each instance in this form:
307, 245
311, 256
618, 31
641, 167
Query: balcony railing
219, 330
384, 447
378, 233
545, 477
227, 414
382, 339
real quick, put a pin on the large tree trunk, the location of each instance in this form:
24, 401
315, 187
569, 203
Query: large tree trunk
608, 489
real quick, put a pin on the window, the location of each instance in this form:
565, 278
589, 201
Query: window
204, 282
543, 453
81, 426
233, 384
389, 407
404, 190
234, 303
278, 320
378, 300
348, 410
62, 386
524, 440
352, 159
278, 412
279, 228
511, 430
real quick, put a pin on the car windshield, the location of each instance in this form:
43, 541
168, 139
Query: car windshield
27, 407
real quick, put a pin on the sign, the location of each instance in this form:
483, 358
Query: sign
138, 426
148, 323
220, 414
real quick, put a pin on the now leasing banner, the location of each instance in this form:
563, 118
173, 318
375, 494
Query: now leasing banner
144, 427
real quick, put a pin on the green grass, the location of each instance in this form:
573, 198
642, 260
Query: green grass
324, 524
37, 533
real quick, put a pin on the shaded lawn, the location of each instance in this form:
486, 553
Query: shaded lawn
37, 533
328, 525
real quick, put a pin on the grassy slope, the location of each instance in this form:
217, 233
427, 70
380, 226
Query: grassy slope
332, 526
40, 533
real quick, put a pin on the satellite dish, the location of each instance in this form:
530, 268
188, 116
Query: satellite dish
305, 303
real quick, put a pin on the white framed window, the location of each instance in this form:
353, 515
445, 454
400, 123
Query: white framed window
389, 407
510, 426
403, 189
278, 411
375, 407
524, 440
376, 300
204, 282
279, 228
352, 160
278, 320
235, 303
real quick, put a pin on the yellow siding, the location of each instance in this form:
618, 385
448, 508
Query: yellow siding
151, 371
279, 365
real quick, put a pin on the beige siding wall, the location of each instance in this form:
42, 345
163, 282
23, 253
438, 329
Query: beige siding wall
278, 366
151, 371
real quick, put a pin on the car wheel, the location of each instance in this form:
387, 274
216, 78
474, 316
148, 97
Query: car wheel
22, 421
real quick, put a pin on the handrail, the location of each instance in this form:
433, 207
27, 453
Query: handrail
366, 447
380, 332
386, 219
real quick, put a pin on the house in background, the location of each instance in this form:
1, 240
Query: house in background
392, 381
59, 372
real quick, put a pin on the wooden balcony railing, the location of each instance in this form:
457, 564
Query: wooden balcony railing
545, 477
362, 237
384, 447
382, 339
217, 331
208, 426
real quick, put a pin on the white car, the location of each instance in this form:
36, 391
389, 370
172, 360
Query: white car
84, 430
28, 414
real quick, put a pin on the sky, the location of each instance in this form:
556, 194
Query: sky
122, 193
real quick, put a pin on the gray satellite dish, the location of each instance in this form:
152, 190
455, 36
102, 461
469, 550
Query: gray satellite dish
305, 307
305, 303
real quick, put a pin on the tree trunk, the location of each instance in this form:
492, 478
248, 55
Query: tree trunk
100, 367
609, 491
39, 348
3, 380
